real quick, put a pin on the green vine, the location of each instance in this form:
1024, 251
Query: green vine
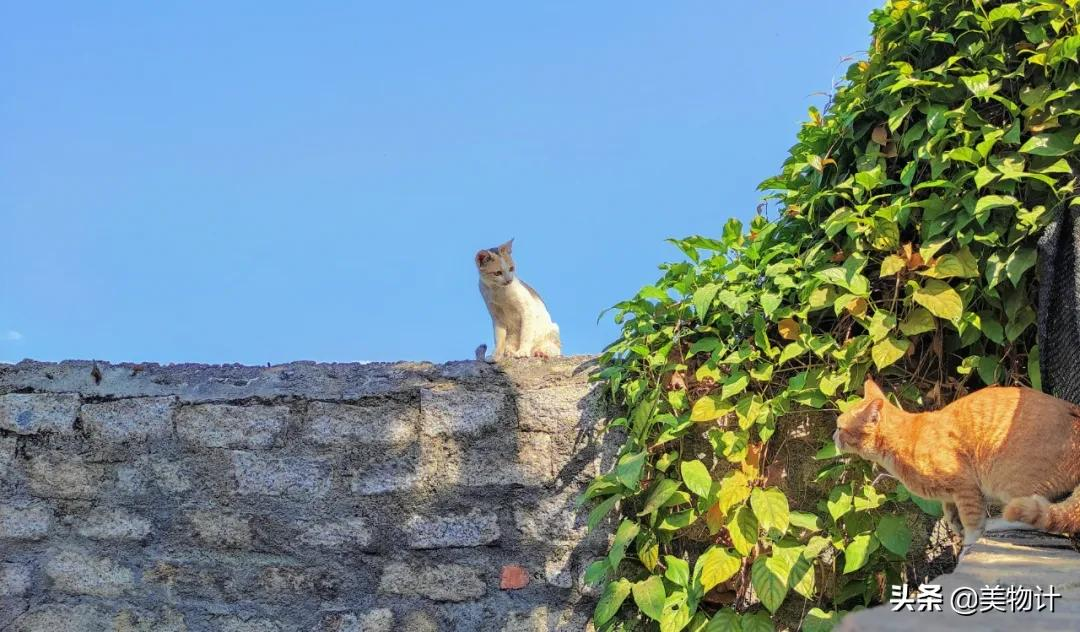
904, 247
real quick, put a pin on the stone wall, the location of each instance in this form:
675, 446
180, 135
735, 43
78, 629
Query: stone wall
305, 496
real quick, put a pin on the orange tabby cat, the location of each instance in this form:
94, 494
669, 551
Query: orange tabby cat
1014, 445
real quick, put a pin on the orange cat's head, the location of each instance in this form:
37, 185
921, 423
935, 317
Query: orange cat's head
857, 429
496, 265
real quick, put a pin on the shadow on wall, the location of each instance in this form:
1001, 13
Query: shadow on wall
299, 497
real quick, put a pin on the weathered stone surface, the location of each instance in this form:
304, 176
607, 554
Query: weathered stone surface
84, 574
560, 408
342, 533
293, 581
24, 520
7, 454
553, 518
218, 528
60, 475
439, 582
475, 528
387, 421
377, 620
419, 621
14, 579
280, 476
31, 413
453, 411
398, 469
173, 477
1000, 559
234, 623
129, 420
68, 618
521, 459
302, 497
113, 524
140, 620
226, 426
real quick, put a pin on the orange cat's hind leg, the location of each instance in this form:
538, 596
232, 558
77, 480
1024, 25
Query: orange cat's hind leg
1029, 509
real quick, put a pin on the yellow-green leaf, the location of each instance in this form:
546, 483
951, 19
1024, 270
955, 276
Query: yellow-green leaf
696, 477
610, 602
888, 351
649, 595
918, 321
771, 508
734, 488
941, 299
769, 579
708, 408
658, 496
891, 265
743, 529
857, 553
716, 565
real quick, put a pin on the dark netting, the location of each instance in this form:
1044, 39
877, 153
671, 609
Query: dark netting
1059, 306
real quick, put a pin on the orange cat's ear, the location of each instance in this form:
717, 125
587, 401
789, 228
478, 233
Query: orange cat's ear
507, 247
873, 411
482, 257
871, 390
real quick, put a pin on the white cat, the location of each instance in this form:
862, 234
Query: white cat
523, 327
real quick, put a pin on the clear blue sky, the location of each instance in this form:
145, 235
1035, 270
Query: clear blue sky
266, 181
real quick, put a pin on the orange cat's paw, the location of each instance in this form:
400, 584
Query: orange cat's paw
539, 353
1030, 509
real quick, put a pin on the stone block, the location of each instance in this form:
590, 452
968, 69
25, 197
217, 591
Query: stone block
522, 458
61, 475
301, 477
56, 617
561, 409
14, 579
475, 528
31, 413
22, 520
112, 524
553, 519
227, 426
350, 532
296, 582
129, 420
218, 528
173, 477
438, 582
140, 620
7, 455
236, 623
377, 620
396, 469
457, 411
81, 573
330, 424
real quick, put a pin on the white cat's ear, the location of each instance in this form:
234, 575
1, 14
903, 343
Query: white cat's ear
871, 390
482, 257
874, 410
507, 247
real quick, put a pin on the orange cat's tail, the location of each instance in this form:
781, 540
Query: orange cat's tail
1062, 517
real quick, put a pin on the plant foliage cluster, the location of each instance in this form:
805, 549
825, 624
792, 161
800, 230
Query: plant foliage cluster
903, 247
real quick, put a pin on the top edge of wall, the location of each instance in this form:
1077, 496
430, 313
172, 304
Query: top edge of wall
311, 380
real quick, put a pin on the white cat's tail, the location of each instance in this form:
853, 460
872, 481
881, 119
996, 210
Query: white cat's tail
1062, 517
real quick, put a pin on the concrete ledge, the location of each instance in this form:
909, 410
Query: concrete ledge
1014, 558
